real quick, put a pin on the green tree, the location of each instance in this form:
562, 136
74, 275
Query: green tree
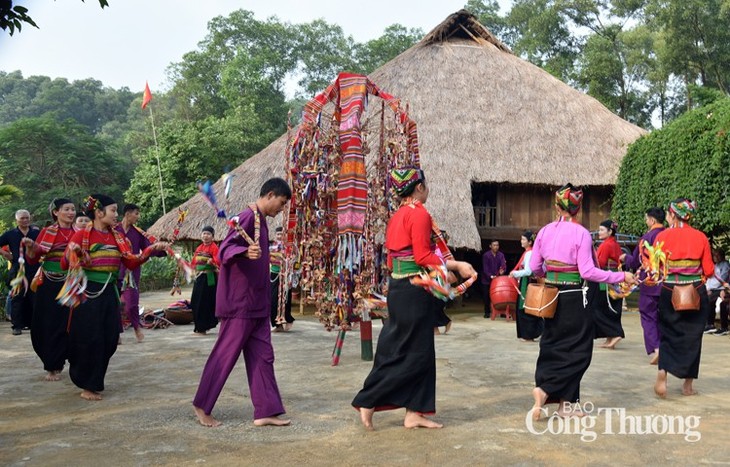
47, 159
697, 40
395, 40
13, 17
487, 11
190, 152
686, 158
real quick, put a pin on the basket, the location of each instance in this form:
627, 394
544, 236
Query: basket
179, 315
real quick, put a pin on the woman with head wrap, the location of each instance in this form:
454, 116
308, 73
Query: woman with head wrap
206, 264
529, 327
689, 262
48, 333
563, 255
404, 371
94, 324
607, 311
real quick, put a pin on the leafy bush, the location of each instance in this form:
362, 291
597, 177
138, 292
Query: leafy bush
158, 273
690, 158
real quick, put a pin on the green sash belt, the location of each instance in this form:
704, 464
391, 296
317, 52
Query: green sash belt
682, 278
209, 273
602, 285
563, 278
101, 277
404, 268
53, 266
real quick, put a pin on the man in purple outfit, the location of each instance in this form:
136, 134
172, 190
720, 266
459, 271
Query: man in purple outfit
243, 307
648, 295
130, 288
493, 264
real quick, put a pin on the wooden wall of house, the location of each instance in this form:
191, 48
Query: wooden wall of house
520, 207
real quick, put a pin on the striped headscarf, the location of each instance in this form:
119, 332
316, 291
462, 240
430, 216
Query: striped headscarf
405, 179
683, 208
569, 198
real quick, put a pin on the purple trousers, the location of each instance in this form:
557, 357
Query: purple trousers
253, 338
649, 312
130, 299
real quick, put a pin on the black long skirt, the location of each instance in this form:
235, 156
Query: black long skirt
404, 371
202, 302
528, 326
93, 337
50, 320
606, 313
680, 343
442, 319
275, 280
566, 347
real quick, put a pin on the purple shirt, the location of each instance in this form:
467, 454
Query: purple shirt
139, 242
633, 261
491, 265
243, 284
569, 243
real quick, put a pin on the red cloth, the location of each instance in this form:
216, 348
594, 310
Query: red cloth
411, 228
98, 260
686, 242
608, 253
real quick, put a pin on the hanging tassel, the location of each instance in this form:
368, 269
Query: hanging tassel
20, 282
128, 282
73, 292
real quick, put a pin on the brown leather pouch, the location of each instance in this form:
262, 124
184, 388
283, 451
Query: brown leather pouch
541, 300
685, 298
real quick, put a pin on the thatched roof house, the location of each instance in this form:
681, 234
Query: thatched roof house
485, 116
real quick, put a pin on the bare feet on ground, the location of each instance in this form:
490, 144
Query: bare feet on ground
366, 417
448, 328
654, 357
53, 376
687, 389
139, 334
90, 395
199, 333
436, 331
610, 343
660, 387
204, 419
416, 420
540, 397
272, 421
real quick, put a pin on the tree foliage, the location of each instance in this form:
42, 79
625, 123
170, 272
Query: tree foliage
687, 158
12, 17
47, 159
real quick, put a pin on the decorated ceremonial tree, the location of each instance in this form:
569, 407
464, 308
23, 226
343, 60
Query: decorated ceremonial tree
690, 158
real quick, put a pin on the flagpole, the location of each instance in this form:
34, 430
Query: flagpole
157, 154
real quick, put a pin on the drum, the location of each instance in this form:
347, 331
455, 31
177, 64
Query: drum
503, 292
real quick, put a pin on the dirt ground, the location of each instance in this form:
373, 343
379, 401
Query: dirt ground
484, 380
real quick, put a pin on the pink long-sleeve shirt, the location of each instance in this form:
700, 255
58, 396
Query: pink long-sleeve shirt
569, 243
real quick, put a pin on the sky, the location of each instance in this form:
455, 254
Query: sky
133, 41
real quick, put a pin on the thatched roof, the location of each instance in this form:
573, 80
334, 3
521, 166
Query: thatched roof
484, 115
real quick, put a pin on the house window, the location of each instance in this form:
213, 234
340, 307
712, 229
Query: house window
484, 201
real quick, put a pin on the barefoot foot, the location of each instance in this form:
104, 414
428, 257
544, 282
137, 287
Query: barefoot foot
366, 417
654, 357
448, 328
90, 395
660, 387
436, 332
540, 397
139, 334
199, 333
272, 421
416, 420
687, 389
53, 376
205, 419
611, 343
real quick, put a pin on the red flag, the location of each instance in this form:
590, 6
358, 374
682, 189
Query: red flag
147, 97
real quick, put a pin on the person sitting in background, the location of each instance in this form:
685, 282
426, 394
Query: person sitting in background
716, 287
